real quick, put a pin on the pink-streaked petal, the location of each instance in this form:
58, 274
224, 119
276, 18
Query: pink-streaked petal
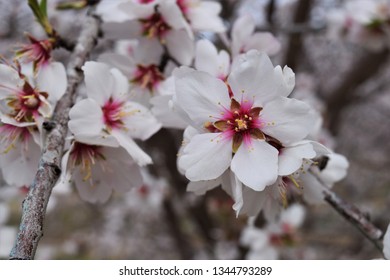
86, 118
174, 17
205, 157
288, 120
257, 165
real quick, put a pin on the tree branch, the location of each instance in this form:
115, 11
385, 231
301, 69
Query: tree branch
352, 214
34, 205
355, 217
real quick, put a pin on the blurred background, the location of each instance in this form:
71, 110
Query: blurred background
347, 80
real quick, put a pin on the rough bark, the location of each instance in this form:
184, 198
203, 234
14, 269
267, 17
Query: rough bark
49, 169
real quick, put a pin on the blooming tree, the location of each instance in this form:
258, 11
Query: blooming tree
108, 125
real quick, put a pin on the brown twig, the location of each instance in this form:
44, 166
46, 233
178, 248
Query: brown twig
34, 205
352, 214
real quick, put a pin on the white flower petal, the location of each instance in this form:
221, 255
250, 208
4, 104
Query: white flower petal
86, 118
98, 80
201, 96
9, 80
386, 243
291, 158
208, 59
285, 80
126, 174
294, 215
124, 63
204, 17
335, 170
165, 114
312, 189
140, 157
242, 29
264, 42
174, 17
180, 46
120, 85
52, 79
253, 77
205, 157
288, 120
140, 121
256, 166
201, 187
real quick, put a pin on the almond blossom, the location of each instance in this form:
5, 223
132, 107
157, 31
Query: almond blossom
266, 243
97, 170
157, 20
244, 38
27, 100
247, 121
362, 22
141, 68
106, 117
202, 15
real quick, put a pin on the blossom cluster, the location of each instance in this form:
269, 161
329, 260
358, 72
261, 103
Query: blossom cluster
243, 130
362, 22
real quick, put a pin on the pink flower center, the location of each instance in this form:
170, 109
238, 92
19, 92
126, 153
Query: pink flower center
85, 156
241, 122
38, 52
26, 103
155, 26
148, 76
145, 1
112, 114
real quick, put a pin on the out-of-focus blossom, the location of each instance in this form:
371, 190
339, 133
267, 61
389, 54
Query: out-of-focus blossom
97, 171
362, 22
266, 243
244, 38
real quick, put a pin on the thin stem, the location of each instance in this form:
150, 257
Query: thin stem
352, 214
35, 203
